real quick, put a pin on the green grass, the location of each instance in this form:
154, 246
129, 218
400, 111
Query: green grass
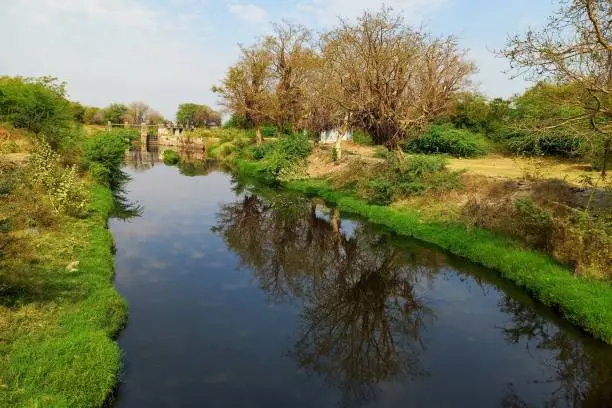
56, 326
584, 302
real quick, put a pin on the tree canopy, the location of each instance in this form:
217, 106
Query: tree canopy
573, 49
191, 114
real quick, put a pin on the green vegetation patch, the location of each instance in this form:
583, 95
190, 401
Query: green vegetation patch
171, 157
449, 140
57, 321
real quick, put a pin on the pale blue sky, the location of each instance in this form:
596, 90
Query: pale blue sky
165, 52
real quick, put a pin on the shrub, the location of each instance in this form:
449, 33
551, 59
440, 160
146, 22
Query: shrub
38, 105
285, 160
449, 140
103, 155
551, 144
269, 131
64, 189
171, 157
363, 138
261, 151
412, 175
379, 191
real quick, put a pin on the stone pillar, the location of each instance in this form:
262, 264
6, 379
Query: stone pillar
143, 133
109, 125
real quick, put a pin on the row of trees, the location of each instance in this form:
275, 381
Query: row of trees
135, 112
382, 76
191, 114
377, 74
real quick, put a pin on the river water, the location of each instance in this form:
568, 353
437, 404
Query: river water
240, 297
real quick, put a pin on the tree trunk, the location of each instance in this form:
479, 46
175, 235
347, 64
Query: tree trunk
606, 155
258, 137
338, 146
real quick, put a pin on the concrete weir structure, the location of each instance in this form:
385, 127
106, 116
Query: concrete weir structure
170, 134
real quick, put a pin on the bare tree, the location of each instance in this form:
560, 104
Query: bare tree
574, 48
137, 112
248, 87
292, 59
389, 79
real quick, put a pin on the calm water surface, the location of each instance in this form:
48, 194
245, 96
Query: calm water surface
239, 299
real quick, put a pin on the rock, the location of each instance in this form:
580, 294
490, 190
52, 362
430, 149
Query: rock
73, 266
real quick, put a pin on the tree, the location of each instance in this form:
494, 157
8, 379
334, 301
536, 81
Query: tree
93, 116
191, 114
248, 88
115, 113
155, 118
137, 112
574, 49
36, 104
292, 58
389, 79
78, 112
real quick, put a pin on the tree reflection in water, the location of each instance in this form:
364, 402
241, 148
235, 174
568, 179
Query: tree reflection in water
361, 320
582, 371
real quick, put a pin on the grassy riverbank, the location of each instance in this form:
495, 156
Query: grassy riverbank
585, 302
58, 322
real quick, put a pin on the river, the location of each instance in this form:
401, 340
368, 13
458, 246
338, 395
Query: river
243, 297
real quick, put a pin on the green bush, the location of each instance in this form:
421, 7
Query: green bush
449, 140
36, 104
379, 191
171, 157
62, 184
104, 152
550, 144
363, 138
261, 151
269, 131
285, 160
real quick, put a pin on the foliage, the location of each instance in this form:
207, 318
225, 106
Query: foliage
171, 157
412, 175
36, 104
63, 187
115, 113
137, 112
449, 140
78, 112
362, 137
258, 152
104, 152
285, 160
380, 191
191, 114
237, 121
93, 116
573, 50
420, 74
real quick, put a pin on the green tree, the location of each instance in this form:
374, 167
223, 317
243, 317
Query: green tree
574, 49
36, 104
192, 114
78, 112
115, 113
93, 116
